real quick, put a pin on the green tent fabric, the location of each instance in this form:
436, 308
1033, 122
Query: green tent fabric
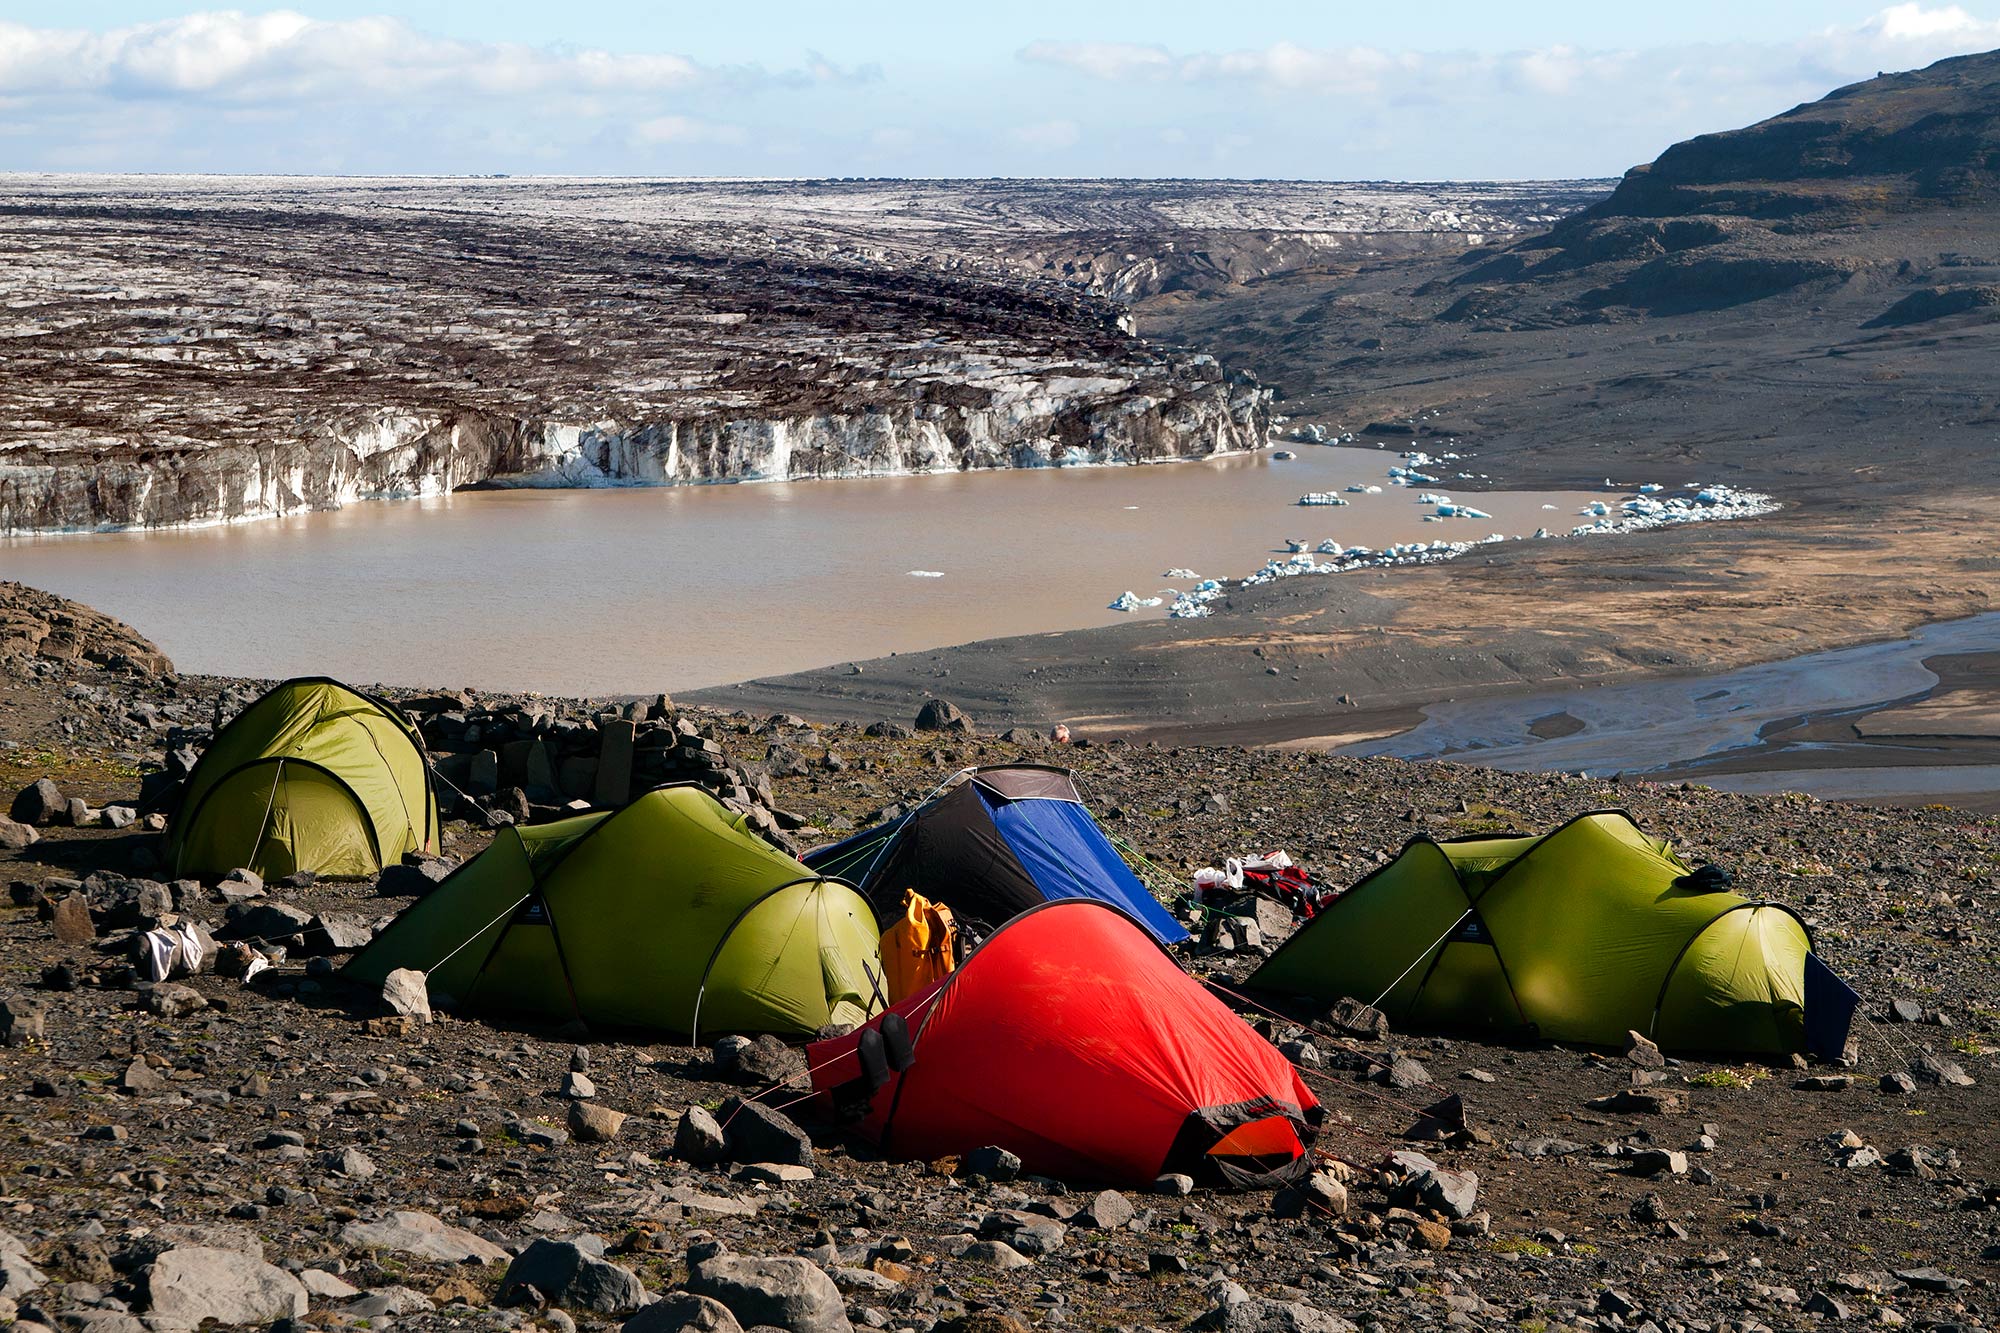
669, 914
1582, 935
313, 776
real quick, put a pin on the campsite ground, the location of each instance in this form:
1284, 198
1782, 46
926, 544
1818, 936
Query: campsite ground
1761, 1224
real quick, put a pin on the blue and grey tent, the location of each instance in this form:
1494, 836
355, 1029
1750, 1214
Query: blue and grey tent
990, 844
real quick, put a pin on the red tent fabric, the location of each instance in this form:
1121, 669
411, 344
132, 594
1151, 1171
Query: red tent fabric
1071, 1039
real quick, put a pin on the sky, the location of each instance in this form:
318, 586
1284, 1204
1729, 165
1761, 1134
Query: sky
1304, 89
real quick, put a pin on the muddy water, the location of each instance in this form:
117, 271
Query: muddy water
638, 590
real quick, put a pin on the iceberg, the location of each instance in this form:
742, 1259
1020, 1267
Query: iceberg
927, 573
1180, 574
1322, 498
1131, 601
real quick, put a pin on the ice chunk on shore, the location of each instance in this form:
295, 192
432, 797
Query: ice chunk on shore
1650, 487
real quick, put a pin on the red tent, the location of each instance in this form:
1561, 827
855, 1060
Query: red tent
1071, 1039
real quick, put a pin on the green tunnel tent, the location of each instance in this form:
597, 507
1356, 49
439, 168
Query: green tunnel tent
667, 915
312, 776
1581, 935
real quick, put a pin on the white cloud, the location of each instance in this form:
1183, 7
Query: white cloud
1914, 23
285, 56
1047, 136
1102, 60
1899, 37
685, 130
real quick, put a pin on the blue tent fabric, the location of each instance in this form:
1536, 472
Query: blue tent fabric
1830, 1006
1064, 852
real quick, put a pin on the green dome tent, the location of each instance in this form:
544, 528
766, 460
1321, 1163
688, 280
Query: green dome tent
669, 914
313, 776
1582, 935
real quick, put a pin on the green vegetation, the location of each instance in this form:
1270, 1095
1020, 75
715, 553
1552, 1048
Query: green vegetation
1746, 1077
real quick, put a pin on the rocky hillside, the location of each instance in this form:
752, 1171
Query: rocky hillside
1923, 137
289, 1150
1794, 304
1794, 202
229, 354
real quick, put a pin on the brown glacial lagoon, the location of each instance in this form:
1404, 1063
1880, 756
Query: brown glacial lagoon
635, 590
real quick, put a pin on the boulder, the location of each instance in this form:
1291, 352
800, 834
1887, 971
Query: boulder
422, 1236
699, 1139
1936, 1070
39, 803
324, 1286
1643, 1052
756, 1133
994, 1254
413, 878
189, 1285
1110, 1210
1640, 1101
69, 919
1319, 1195
15, 835
350, 1162
591, 1123
388, 1303
170, 999
763, 1062
565, 1273
683, 1312
1454, 1193
22, 1020
18, 1276
263, 921
337, 932
787, 1293
1266, 1316
613, 779
942, 715
137, 903
406, 991
993, 1162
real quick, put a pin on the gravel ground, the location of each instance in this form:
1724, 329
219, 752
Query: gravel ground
157, 1139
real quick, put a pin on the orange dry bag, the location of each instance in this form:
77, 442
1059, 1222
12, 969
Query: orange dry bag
919, 949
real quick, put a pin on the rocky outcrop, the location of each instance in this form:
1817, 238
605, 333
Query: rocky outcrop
39, 625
